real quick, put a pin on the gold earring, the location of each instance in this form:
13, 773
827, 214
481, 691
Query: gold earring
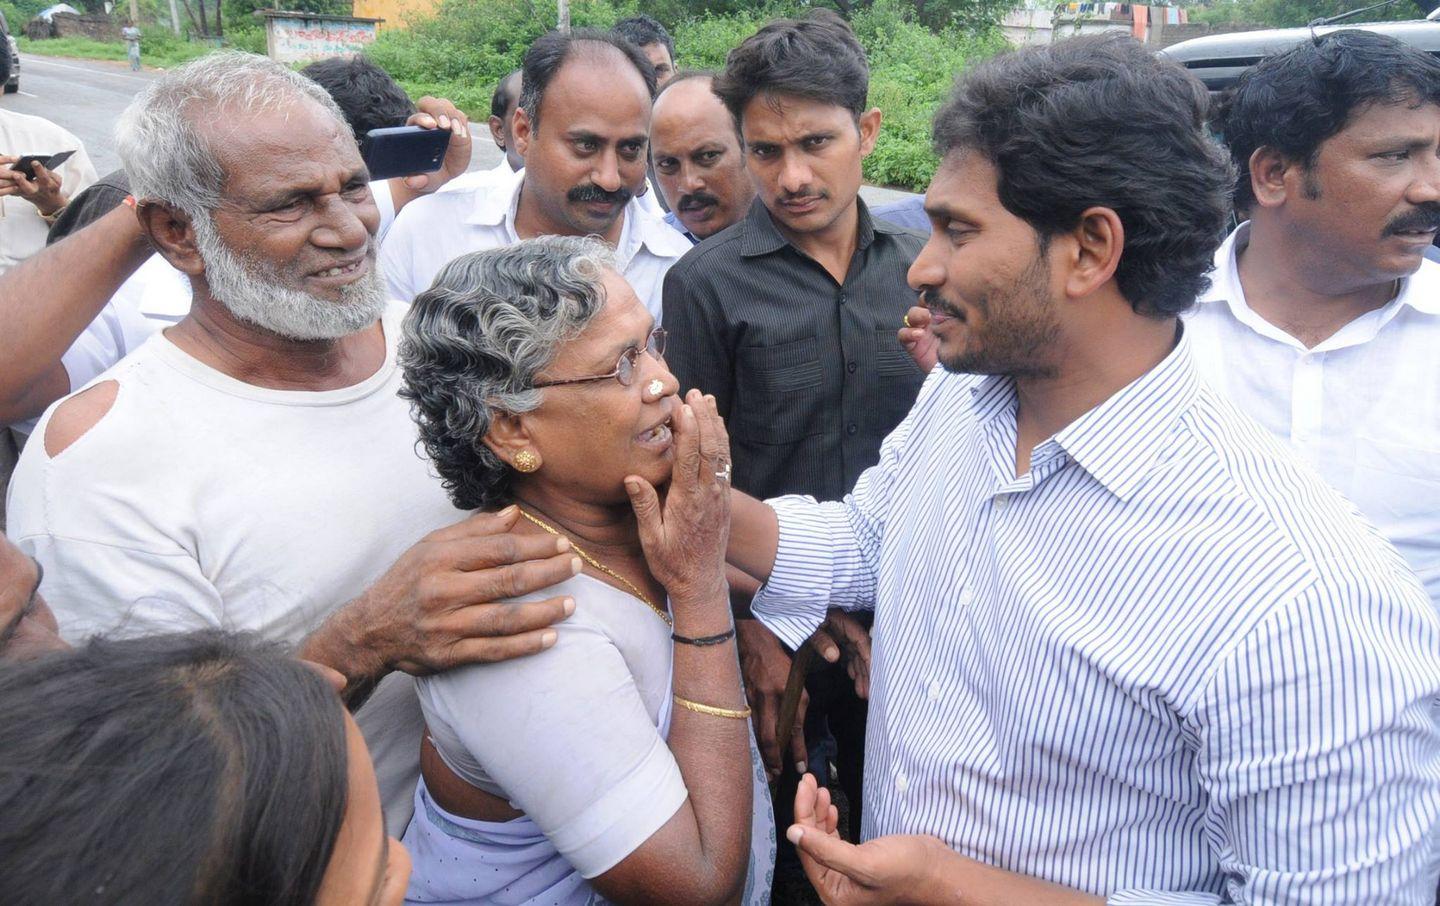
526, 462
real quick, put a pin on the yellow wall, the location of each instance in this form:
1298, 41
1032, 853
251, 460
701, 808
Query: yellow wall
394, 12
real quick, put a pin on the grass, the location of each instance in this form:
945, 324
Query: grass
158, 48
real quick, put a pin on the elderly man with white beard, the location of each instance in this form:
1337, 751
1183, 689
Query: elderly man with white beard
252, 467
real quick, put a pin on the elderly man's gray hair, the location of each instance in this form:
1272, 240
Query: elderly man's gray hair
162, 136
474, 341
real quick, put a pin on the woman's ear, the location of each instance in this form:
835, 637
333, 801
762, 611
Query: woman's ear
508, 438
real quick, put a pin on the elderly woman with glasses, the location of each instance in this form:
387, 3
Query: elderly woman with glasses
616, 765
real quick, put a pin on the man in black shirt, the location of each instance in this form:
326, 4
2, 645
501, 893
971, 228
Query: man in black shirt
789, 317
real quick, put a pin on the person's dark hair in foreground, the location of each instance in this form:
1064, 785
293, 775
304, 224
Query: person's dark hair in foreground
1294, 101
817, 58
199, 768
1102, 122
368, 96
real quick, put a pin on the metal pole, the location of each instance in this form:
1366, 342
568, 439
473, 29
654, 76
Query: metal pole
564, 10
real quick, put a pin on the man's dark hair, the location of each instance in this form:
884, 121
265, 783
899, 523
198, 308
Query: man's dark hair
1294, 101
367, 95
642, 31
1102, 122
501, 100
209, 767
553, 49
817, 57
685, 76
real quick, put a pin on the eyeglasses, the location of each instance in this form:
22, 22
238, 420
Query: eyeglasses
625, 368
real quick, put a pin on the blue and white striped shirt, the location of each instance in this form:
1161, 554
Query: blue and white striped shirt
1168, 664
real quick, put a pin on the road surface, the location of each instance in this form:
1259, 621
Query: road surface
87, 97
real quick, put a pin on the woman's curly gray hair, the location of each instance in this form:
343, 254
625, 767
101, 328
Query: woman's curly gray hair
474, 341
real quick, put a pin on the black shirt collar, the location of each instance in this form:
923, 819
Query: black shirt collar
762, 237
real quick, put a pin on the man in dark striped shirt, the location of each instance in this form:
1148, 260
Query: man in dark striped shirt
788, 317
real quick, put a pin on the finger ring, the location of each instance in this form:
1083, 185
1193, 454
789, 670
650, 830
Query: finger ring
655, 388
723, 474
905, 320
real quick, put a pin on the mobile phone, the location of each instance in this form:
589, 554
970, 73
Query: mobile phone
26, 164
404, 151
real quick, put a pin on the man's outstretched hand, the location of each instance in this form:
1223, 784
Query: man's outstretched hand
886, 870
910, 868
435, 607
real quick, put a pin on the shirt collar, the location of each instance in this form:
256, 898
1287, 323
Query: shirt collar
1118, 441
1420, 290
677, 226
495, 206
762, 237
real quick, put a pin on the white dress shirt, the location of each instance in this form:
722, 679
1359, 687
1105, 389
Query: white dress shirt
1361, 407
1167, 664
433, 231
22, 229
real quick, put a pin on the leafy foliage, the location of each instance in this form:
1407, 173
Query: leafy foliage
468, 45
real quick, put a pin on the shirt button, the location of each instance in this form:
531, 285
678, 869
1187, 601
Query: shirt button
902, 783
842, 298
850, 367
967, 597
852, 429
934, 691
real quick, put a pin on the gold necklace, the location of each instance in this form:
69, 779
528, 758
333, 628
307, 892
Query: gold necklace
602, 567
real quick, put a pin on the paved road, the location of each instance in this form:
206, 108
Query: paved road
87, 96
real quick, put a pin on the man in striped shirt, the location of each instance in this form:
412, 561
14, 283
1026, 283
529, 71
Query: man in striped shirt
1126, 647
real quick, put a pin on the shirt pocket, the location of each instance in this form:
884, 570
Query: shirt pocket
891, 359
779, 392
1397, 486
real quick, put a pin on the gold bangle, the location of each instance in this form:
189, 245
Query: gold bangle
698, 708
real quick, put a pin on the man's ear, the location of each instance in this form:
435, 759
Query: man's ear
173, 235
1094, 249
508, 435
521, 132
1272, 176
497, 131
869, 130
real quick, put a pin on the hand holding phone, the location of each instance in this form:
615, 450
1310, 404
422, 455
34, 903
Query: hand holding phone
404, 151
26, 163
31, 179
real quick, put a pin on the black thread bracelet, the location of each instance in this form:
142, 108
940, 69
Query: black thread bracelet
707, 640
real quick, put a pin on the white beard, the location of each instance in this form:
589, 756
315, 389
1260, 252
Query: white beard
253, 292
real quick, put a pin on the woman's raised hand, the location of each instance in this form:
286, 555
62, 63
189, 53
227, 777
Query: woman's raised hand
685, 537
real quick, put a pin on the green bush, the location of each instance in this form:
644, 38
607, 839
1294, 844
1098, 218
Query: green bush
463, 50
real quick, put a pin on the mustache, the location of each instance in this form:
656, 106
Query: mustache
802, 196
697, 200
591, 192
931, 300
1426, 216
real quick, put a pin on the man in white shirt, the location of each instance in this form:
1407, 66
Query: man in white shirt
1322, 320
582, 126
28, 206
252, 467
